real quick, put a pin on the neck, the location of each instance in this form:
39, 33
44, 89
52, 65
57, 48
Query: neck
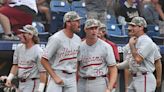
140, 34
29, 44
103, 38
68, 33
90, 42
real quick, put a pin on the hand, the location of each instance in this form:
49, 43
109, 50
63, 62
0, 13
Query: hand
8, 83
158, 83
133, 40
107, 90
59, 81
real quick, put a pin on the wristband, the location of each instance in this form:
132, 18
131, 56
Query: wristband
41, 87
10, 77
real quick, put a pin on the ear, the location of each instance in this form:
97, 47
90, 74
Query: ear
85, 30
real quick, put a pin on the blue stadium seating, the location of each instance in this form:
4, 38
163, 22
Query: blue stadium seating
119, 39
113, 29
153, 30
43, 36
111, 19
59, 6
158, 40
79, 7
40, 27
56, 21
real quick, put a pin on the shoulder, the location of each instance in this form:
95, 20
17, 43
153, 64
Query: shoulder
21, 45
37, 47
104, 44
77, 37
56, 36
111, 43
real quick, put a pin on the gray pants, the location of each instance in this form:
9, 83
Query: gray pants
97, 85
143, 83
29, 85
69, 83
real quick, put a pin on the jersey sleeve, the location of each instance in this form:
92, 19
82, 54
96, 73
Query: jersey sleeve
51, 48
125, 51
110, 58
16, 54
157, 54
39, 56
145, 49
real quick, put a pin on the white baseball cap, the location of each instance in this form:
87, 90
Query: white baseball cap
29, 29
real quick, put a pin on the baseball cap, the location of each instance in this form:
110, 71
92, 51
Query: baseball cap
102, 25
29, 29
139, 21
91, 23
71, 16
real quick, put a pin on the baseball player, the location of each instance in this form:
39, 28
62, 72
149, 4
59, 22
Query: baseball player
141, 57
95, 58
61, 52
103, 35
26, 61
127, 56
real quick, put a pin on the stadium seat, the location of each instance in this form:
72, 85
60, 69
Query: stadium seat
79, 7
113, 29
111, 19
59, 6
153, 30
56, 22
158, 40
40, 27
44, 36
119, 39
153, 27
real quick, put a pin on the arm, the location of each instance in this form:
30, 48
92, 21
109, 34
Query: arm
47, 66
127, 77
158, 67
112, 76
159, 10
133, 49
43, 81
13, 72
40, 1
123, 64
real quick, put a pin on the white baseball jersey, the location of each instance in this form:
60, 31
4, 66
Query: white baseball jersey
94, 60
61, 51
28, 61
30, 3
147, 49
127, 56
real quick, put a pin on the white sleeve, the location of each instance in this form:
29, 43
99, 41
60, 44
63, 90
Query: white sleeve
39, 56
51, 47
145, 49
110, 58
16, 53
157, 54
123, 64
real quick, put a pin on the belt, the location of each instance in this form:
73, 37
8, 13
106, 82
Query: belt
63, 71
93, 78
139, 73
24, 80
